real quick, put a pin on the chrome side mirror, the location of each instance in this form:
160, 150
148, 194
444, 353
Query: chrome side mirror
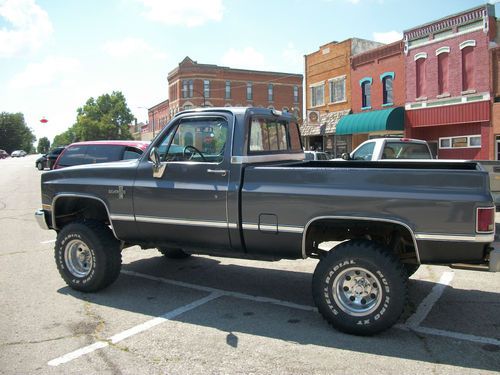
346, 156
158, 167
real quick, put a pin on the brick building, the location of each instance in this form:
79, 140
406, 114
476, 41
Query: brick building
448, 83
377, 94
495, 108
328, 93
204, 85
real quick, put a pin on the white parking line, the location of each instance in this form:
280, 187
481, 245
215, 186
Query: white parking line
427, 304
132, 331
457, 335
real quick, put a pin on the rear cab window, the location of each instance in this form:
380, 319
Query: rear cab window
273, 136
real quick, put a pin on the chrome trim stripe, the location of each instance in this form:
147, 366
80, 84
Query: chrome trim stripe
358, 218
272, 228
120, 217
266, 158
73, 195
173, 221
480, 238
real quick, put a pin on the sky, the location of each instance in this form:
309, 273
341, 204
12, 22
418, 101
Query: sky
54, 55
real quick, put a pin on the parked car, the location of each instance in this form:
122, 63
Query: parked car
93, 152
48, 160
390, 148
18, 153
316, 155
3, 154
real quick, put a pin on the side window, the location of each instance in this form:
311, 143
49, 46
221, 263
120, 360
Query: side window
73, 156
103, 153
197, 139
365, 152
131, 153
388, 153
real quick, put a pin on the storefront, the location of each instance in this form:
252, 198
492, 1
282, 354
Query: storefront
321, 136
460, 131
365, 125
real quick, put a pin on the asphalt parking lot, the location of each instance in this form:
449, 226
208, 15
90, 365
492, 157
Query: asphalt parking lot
217, 316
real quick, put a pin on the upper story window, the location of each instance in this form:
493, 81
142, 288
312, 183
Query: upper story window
337, 89
387, 80
206, 88
420, 69
295, 94
249, 90
270, 92
467, 65
228, 90
317, 95
443, 72
187, 88
366, 92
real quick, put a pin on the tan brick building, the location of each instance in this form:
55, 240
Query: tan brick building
328, 93
203, 85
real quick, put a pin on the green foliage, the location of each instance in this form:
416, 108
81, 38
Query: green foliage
43, 145
107, 117
14, 133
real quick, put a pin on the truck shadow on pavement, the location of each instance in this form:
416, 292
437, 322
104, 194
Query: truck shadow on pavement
234, 315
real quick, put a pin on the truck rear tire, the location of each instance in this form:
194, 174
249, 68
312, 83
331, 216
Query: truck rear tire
360, 287
88, 256
173, 253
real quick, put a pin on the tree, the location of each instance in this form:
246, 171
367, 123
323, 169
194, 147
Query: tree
14, 133
43, 145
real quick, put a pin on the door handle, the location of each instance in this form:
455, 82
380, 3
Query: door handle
221, 172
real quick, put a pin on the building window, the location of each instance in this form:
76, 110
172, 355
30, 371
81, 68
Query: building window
270, 92
466, 141
387, 90
443, 72
420, 77
468, 68
228, 89
185, 88
249, 91
206, 88
295, 94
366, 93
317, 95
337, 89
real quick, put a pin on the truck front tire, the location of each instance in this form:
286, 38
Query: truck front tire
173, 253
360, 287
88, 256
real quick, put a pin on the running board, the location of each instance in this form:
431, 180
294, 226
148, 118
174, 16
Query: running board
470, 267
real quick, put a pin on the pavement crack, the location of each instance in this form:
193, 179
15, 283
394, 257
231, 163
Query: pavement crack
30, 342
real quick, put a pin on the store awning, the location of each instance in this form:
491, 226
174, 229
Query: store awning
373, 121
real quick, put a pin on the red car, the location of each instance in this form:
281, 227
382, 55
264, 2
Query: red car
92, 152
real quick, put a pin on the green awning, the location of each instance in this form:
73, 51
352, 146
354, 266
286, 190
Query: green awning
373, 121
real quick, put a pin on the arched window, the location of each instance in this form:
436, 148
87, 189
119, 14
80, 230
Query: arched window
387, 90
420, 77
366, 97
468, 68
443, 72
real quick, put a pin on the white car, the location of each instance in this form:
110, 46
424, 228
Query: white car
18, 154
390, 148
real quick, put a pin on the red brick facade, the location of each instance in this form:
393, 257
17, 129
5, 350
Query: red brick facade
448, 84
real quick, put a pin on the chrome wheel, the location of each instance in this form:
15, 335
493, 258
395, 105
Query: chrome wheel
357, 291
78, 258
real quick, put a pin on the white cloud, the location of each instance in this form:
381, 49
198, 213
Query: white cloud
132, 47
51, 71
387, 37
354, 1
190, 13
246, 58
30, 27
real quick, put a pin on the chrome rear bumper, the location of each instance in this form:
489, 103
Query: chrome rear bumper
40, 219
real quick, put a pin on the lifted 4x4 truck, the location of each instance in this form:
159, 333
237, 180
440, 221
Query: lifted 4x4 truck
233, 182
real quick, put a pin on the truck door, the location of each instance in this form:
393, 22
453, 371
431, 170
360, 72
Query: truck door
186, 203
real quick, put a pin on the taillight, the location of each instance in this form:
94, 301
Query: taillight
485, 221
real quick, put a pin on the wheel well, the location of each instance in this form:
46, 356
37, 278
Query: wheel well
69, 209
395, 236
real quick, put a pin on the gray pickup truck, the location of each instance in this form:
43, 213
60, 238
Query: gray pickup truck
233, 182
